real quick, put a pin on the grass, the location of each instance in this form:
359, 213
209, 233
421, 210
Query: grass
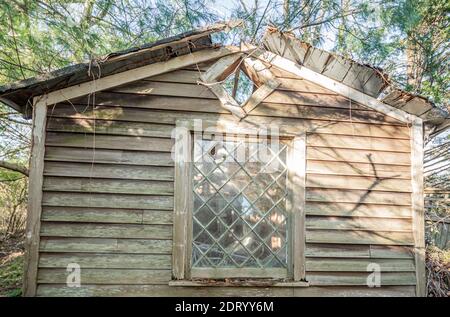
11, 270
11, 265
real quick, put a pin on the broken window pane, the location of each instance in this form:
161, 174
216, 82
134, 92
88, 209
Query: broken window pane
240, 88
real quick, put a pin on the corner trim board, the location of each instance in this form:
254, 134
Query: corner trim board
33, 225
417, 200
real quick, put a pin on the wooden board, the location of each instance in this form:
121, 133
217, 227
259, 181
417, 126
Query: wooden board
105, 261
91, 185
108, 127
178, 76
102, 156
34, 208
359, 237
318, 112
115, 99
357, 169
358, 265
358, 182
358, 196
392, 251
202, 106
164, 290
357, 210
359, 223
157, 173
361, 143
313, 99
165, 89
62, 199
109, 142
109, 276
357, 156
106, 215
264, 109
358, 251
105, 245
397, 278
418, 210
90, 230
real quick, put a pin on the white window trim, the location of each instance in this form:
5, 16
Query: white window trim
183, 206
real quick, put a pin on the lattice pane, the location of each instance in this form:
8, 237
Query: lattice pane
239, 204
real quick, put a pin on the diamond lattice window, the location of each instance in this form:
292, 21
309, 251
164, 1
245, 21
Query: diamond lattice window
239, 213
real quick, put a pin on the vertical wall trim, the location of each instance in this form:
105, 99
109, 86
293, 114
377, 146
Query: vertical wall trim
418, 204
297, 184
35, 182
182, 203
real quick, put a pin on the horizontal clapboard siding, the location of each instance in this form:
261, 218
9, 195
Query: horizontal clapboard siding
109, 142
170, 291
353, 278
106, 215
87, 230
115, 186
358, 265
109, 276
359, 237
112, 171
63, 199
358, 251
108, 189
105, 261
151, 128
102, 156
105, 245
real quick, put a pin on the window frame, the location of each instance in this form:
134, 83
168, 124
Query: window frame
183, 203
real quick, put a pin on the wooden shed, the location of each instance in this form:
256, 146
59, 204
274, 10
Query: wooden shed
186, 168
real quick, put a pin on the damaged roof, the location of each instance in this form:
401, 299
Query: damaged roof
19, 95
365, 78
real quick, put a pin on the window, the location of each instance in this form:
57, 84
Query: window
239, 86
238, 206
239, 214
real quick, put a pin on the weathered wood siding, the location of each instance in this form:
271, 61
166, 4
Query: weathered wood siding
108, 189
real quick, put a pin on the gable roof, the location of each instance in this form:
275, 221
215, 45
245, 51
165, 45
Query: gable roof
367, 79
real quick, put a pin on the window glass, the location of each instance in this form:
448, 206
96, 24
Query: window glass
239, 214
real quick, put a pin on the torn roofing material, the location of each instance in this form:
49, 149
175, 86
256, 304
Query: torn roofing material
365, 78
19, 95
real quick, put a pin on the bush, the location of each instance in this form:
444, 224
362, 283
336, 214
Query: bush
438, 272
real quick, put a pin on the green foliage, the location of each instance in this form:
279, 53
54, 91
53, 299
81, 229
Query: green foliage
11, 270
410, 40
39, 36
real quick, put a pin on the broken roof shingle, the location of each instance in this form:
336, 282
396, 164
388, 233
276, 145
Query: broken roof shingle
365, 78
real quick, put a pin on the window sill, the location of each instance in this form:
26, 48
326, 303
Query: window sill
238, 283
